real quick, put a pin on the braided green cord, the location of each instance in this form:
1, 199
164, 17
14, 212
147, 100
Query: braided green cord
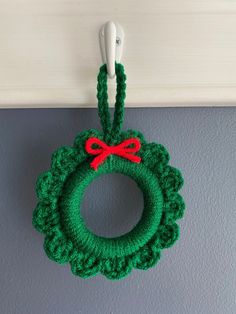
103, 105
102, 96
120, 99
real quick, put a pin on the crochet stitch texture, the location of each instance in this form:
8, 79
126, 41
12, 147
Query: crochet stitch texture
60, 192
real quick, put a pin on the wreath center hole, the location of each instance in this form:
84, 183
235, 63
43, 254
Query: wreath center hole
112, 205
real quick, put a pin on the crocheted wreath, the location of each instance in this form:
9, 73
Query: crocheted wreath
60, 192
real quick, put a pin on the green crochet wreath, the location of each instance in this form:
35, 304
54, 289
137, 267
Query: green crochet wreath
61, 189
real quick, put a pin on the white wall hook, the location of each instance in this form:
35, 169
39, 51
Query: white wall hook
111, 38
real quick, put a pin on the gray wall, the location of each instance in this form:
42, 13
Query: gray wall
198, 275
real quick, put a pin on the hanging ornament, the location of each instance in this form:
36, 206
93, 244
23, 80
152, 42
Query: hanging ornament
60, 192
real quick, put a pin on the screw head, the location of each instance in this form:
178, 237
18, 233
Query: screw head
118, 41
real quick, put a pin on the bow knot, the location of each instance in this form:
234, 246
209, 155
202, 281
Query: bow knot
126, 149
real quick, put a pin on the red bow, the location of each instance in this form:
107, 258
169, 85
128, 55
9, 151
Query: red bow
126, 149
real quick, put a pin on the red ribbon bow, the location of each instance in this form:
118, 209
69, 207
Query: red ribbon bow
126, 149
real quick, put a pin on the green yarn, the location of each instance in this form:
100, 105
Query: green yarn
61, 189
111, 130
75, 227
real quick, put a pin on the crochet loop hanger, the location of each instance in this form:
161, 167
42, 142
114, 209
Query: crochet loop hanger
111, 130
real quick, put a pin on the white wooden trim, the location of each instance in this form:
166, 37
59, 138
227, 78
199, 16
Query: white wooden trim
49, 52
